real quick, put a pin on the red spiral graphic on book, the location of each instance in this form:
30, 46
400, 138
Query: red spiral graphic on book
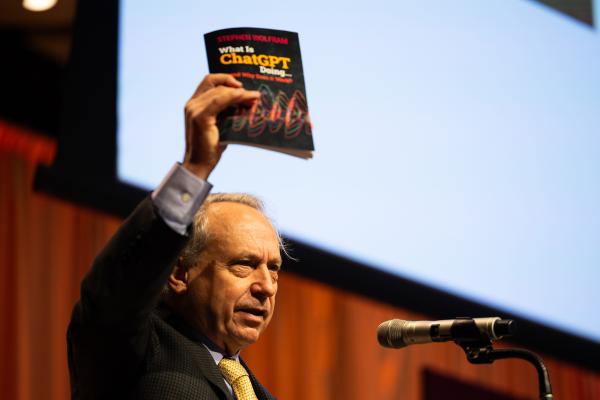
276, 112
296, 117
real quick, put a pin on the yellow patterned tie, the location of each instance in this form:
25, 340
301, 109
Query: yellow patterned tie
238, 378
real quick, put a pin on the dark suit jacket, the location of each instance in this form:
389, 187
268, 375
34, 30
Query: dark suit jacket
124, 345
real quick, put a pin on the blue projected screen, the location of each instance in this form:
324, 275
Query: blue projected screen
457, 142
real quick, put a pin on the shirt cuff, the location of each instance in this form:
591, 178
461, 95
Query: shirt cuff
178, 198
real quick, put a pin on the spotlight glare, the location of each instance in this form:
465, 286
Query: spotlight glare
39, 5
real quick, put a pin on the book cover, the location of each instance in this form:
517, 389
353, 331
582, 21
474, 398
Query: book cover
269, 61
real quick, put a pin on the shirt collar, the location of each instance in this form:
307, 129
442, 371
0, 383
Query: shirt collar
215, 351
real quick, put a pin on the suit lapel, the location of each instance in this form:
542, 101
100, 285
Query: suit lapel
259, 390
210, 370
206, 363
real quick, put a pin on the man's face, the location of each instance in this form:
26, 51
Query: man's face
232, 288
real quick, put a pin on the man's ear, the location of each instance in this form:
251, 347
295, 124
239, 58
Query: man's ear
178, 280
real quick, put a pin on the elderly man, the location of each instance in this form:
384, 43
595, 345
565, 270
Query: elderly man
169, 304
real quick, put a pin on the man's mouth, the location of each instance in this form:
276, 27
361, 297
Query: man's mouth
257, 311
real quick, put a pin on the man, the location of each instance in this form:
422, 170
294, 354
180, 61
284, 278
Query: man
168, 305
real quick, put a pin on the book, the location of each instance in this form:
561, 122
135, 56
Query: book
269, 61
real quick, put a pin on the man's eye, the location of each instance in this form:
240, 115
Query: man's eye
243, 262
274, 267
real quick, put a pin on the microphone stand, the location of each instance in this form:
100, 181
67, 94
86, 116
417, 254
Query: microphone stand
481, 352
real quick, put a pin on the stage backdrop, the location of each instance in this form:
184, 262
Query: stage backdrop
320, 345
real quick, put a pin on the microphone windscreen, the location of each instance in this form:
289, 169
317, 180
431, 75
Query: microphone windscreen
389, 334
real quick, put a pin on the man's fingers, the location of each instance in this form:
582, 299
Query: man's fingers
213, 80
222, 97
238, 96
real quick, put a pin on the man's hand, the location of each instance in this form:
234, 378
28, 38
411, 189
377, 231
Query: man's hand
214, 94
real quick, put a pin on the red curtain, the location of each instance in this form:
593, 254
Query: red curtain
320, 345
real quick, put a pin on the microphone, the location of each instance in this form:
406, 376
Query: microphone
397, 333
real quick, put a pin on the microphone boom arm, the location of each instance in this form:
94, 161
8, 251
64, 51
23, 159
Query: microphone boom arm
482, 352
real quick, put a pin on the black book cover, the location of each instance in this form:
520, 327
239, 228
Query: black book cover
269, 61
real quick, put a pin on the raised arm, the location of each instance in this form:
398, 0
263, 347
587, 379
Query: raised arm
127, 277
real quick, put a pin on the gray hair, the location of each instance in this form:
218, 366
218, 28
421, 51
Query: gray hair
199, 235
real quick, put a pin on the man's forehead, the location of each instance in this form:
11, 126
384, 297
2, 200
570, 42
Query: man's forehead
240, 231
234, 210
231, 217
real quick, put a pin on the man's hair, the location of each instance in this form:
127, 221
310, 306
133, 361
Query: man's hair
199, 235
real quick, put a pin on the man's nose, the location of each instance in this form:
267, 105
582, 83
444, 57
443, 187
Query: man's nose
264, 284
